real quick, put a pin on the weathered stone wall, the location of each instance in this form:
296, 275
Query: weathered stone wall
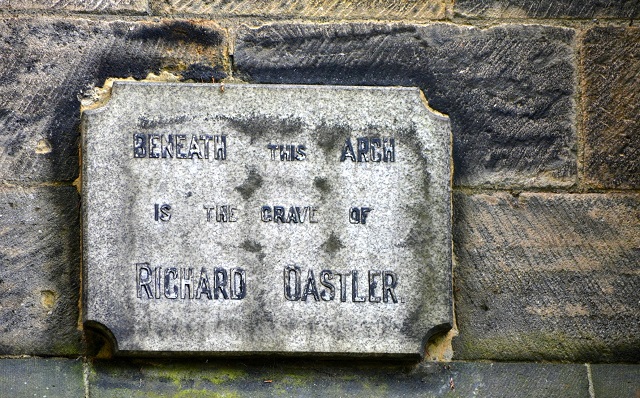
544, 101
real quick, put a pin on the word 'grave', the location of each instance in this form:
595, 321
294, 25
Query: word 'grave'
266, 219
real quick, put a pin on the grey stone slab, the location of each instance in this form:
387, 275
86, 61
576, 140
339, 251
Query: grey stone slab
615, 380
41, 377
294, 378
39, 271
547, 8
612, 107
508, 90
49, 64
390, 9
547, 277
377, 216
94, 6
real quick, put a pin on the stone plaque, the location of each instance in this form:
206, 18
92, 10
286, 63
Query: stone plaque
267, 219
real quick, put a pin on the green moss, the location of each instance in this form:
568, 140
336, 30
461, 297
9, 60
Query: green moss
192, 393
349, 377
297, 380
92, 373
125, 392
180, 373
67, 349
224, 375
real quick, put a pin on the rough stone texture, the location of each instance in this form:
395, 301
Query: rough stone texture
293, 378
48, 63
508, 90
370, 9
39, 271
611, 78
102, 6
548, 8
406, 236
547, 277
40, 377
612, 381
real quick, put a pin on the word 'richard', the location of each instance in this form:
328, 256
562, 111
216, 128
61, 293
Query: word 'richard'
187, 283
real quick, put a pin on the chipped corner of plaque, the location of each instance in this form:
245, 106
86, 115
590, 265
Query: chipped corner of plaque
98, 97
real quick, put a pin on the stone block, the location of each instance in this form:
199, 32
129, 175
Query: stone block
611, 60
547, 8
547, 277
615, 380
40, 273
296, 378
315, 9
93, 6
508, 90
49, 64
41, 377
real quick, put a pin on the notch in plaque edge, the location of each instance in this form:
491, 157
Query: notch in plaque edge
100, 341
437, 114
436, 344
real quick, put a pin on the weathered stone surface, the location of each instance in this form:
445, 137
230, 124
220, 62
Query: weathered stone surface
610, 381
388, 9
390, 274
301, 379
40, 377
40, 271
110, 6
612, 107
547, 8
547, 277
48, 63
508, 90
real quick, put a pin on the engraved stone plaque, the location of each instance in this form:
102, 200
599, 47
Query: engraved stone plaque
266, 219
